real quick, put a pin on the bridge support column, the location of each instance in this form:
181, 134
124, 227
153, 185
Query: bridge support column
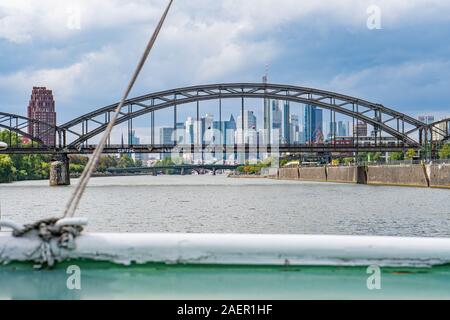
59, 171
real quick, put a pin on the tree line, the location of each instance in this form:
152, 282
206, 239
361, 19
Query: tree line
37, 167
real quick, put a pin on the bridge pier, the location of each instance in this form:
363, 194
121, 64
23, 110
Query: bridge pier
59, 171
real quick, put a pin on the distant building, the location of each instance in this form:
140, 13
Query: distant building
428, 119
294, 129
42, 107
189, 137
339, 129
134, 140
249, 124
277, 116
286, 123
361, 129
313, 125
342, 129
166, 138
440, 131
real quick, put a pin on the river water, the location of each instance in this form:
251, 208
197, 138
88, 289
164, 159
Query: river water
217, 204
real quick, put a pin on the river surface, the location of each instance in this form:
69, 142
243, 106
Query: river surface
217, 204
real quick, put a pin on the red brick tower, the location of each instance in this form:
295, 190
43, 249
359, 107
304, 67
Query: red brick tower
42, 108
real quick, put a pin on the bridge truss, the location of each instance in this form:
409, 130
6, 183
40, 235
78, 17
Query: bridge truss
407, 131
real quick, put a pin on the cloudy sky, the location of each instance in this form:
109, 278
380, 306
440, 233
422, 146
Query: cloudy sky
85, 50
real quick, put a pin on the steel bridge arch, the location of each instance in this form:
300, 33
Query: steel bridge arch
343, 104
16, 123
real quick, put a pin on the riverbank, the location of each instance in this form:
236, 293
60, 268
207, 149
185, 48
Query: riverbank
404, 175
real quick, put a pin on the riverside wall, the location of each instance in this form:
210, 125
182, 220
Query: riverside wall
313, 174
439, 175
419, 175
398, 175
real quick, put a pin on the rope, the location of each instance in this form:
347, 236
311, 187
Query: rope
74, 200
63, 230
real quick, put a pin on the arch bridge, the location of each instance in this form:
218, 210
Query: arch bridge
74, 136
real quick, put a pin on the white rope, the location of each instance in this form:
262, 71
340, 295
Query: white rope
75, 198
11, 225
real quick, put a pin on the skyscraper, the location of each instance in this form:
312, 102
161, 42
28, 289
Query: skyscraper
318, 132
189, 131
309, 123
427, 119
249, 134
267, 119
277, 118
42, 107
294, 129
313, 126
166, 138
342, 129
286, 123
361, 129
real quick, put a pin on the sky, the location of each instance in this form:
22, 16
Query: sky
392, 52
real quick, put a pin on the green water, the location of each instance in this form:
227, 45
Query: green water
155, 281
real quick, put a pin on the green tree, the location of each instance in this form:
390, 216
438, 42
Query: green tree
106, 162
410, 154
396, 156
7, 169
444, 153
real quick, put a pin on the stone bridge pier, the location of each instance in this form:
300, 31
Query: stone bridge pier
59, 171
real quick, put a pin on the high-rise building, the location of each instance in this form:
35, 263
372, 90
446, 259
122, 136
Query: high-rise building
294, 129
332, 130
342, 129
226, 130
180, 132
440, 130
277, 120
189, 137
361, 129
266, 138
310, 124
135, 140
427, 119
313, 125
166, 136
42, 107
286, 123
229, 129
249, 124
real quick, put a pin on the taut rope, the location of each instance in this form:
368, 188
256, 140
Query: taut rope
74, 200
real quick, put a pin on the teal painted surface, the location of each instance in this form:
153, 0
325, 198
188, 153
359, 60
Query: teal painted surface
108, 281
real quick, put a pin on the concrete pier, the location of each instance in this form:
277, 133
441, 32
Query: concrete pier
60, 172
